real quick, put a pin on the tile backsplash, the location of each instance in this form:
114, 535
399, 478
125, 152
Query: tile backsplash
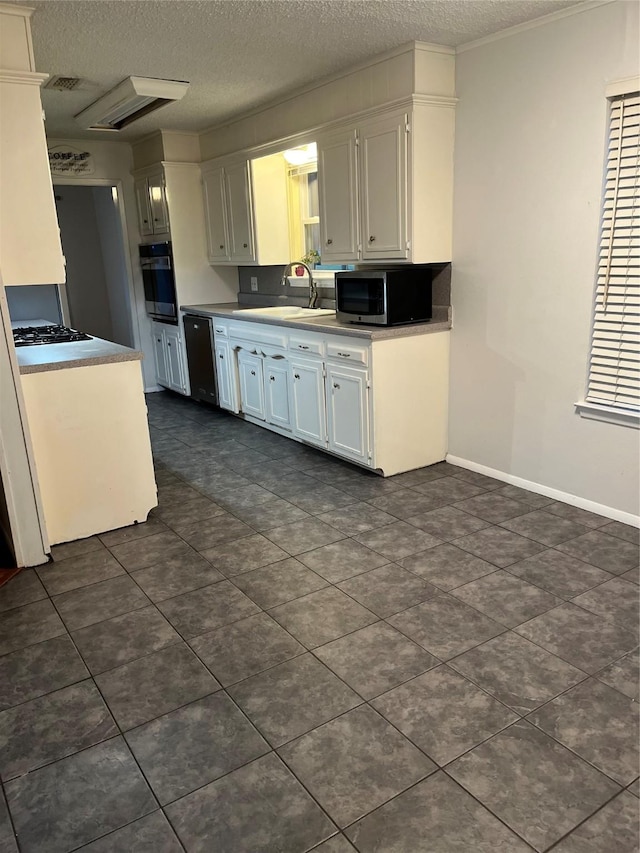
270, 290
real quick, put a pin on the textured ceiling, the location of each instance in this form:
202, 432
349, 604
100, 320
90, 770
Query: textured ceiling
237, 54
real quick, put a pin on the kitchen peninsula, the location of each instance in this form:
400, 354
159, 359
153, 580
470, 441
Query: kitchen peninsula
88, 422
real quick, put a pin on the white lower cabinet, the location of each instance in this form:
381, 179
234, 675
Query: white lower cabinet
226, 377
381, 403
348, 412
170, 361
251, 384
276, 389
308, 400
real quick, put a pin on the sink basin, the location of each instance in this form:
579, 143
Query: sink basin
286, 312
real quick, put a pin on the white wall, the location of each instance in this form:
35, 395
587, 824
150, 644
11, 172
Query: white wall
113, 163
530, 130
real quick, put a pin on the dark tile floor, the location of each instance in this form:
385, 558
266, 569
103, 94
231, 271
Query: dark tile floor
292, 654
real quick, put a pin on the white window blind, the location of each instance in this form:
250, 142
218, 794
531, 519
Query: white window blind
614, 365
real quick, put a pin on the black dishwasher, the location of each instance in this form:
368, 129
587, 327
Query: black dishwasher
198, 336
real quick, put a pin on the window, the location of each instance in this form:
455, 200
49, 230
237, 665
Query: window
304, 207
613, 384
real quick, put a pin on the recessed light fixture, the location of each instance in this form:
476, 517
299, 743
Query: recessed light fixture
130, 100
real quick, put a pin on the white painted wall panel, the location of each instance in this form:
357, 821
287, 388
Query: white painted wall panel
530, 131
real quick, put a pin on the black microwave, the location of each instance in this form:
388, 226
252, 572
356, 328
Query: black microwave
390, 297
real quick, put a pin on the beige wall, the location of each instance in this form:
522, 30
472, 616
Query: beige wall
530, 130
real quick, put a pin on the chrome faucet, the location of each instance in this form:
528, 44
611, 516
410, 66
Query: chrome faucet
313, 290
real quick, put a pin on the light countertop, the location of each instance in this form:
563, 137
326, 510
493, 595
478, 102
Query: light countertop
441, 322
43, 357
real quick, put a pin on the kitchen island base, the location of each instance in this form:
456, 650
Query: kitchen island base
91, 444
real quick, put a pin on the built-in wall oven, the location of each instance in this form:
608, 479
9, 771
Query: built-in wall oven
156, 260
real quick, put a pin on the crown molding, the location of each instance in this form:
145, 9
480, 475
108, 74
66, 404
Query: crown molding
586, 6
32, 78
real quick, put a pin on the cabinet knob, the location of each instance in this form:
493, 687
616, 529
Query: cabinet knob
168, 343
329, 241
296, 376
244, 245
372, 239
221, 356
155, 219
300, 346
253, 373
344, 354
272, 379
146, 221
335, 385
222, 245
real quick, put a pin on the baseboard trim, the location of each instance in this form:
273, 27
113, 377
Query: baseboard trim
547, 491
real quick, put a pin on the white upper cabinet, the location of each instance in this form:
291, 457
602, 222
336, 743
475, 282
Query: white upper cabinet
143, 204
386, 187
30, 249
151, 200
383, 153
338, 189
215, 216
246, 211
158, 202
237, 181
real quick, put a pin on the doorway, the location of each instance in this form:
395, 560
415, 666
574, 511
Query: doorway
96, 297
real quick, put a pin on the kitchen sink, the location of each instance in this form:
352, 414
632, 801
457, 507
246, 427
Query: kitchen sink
286, 312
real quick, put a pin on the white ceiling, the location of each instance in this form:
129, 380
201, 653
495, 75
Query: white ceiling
237, 54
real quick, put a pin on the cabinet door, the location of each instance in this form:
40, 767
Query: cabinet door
251, 384
226, 377
307, 396
383, 188
159, 350
338, 188
215, 217
145, 221
158, 205
348, 412
175, 360
239, 210
276, 388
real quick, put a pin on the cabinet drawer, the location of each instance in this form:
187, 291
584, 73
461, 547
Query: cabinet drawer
307, 346
256, 333
348, 352
220, 328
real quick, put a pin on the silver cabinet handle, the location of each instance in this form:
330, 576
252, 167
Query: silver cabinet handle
196, 326
329, 241
372, 239
344, 354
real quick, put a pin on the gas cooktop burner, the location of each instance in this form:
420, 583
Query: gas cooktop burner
34, 335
